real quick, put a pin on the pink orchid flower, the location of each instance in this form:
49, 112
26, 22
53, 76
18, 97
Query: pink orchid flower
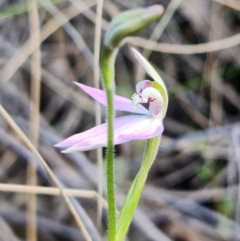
143, 124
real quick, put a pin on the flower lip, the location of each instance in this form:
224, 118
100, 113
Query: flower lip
158, 83
137, 97
143, 85
146, 93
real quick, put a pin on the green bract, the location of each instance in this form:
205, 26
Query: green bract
129, 23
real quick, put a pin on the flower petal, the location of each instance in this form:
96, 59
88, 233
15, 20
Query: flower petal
81, 137
120, 103
126, 128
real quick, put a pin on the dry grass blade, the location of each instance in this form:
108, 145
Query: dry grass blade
210, 75
34, 117
47, 169
97, 43
188, 48
52, 191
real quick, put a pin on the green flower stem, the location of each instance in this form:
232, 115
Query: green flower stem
134, 194
107, 66
111, 169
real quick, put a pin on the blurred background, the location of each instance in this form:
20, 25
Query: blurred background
192, 192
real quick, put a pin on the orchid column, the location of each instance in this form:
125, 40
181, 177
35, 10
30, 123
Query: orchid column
122, 26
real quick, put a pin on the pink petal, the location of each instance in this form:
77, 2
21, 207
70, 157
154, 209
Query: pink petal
126, 128
120, 103
78, 138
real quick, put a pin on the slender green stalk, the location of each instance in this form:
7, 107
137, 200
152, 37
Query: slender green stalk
107, 67
134, 194
111, 170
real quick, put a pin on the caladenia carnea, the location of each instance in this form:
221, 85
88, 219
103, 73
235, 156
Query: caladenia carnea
143, 124
125, 24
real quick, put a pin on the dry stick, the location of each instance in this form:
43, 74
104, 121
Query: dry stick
82, 46
27, 49
204, 195
34, 118
47, 169
216, 114
52, 191
157, 32
97, 19
210, 66
210, 76
188, 48
97, 43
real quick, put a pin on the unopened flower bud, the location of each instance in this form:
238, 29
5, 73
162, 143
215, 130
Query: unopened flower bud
130, 23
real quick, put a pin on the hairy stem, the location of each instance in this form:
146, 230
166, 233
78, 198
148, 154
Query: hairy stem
107, 67
111, 170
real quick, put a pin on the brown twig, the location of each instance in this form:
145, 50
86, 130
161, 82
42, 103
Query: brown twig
34, 117
187, 48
